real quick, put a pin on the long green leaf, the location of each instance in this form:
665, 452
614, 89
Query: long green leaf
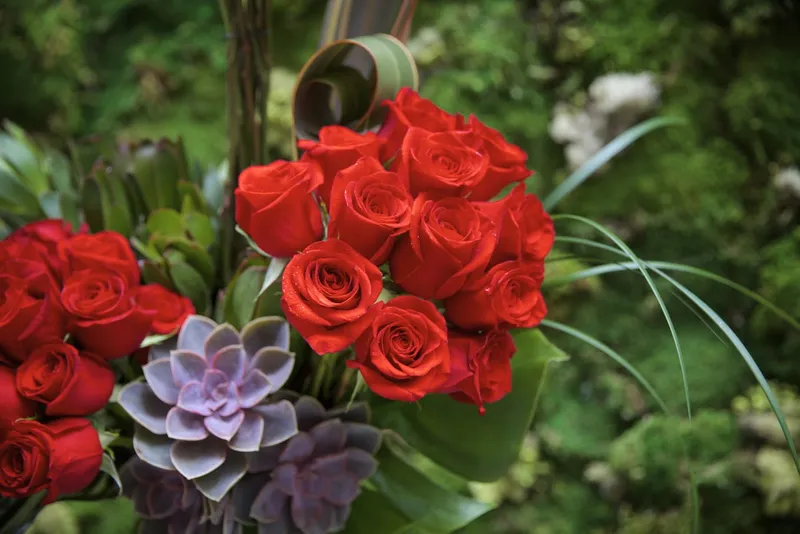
611, 353
455, 436
604, 155
732, 337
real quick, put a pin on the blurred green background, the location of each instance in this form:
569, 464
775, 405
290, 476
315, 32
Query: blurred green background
721, 193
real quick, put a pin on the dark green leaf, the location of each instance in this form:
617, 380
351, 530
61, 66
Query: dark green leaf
58, 168
166, 222
240, 297
196, 256
190, 284
22, 154
372, 513
108, 467
154, 274
455, 436
13, 521
157, 169
15, 197
200, 228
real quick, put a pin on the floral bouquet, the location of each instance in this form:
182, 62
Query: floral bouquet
369, 350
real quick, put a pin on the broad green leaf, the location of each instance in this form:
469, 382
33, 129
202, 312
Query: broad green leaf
457, 437
14, 520
190, 284
200, 228
356, 87
153, 274
373, 513
50, 203
57, 167
196, 256
617, 145
166, 222
22, 154
273, 274
157, 169
15, 197
240, 298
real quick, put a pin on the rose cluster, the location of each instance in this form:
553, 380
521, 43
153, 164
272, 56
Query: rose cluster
400, 248
69, 303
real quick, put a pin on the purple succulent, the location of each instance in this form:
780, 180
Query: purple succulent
307, 485
205, 404
167, 503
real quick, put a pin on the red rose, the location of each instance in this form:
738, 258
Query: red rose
338, 148
68, 382
30, 312
369, 209
448, 246
439, 163
507, 162
275, 207
62, 456
508, 296
480, 367
105, 318
409, 109
15, 406
526, 232
44, 236
403, 355
103, 250
329, 292
169, 309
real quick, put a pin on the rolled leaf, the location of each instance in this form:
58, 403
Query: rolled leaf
158, 167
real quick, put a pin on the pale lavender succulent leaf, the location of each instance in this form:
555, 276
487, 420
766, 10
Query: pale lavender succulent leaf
232, 361
231, 403
185, 426
280, 422
284, 476
187, 367
194, 332
224, 427
153, 448
265, 459
276, 363
248, 438
144, 407
223, 336
265, 332
254, 388
329, 437
364, 437
310, 413
298, 449
194, 459
158, 375
162, 350
271, 504
192, 398
216, 485
214, 378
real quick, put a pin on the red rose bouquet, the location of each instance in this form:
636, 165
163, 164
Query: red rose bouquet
368, 344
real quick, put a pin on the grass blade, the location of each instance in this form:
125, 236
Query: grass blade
611, 353
617, 145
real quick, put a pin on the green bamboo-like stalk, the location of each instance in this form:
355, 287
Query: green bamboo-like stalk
247, 27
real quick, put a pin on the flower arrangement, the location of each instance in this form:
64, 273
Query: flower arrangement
363, 348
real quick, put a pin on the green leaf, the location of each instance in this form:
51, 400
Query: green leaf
332, 76
200, 228
604, 155
155, 339
105, 202
166, 222
240, 297
373, 513
154, 274
190, 284
274, 271
157, 168
15, 197
19, 150
196, 256
360, 18
26, 511
50, 203
107, 466
57, 167
458, 438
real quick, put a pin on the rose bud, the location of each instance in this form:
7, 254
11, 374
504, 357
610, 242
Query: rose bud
369, 209
527, 231
44, 236
508, 296
105, 318
274, 205
409, 109
507, 162
480, 367
169, 309
68, 382
449, 245
403, 355
62, 457
103, 250
329, 293
15, 406
338, 148
439, 163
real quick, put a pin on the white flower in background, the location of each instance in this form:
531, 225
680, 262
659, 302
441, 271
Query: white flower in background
787, 180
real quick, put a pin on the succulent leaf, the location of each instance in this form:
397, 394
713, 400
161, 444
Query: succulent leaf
275, 363
223, 336
185, 426
153, 448
144, 407
265, 332
158, 375
193, 459
248, 438
231, 360
194, 332
187, 366
219, 482
280, 422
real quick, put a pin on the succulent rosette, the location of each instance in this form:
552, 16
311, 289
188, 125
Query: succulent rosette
207, 402
307, 485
